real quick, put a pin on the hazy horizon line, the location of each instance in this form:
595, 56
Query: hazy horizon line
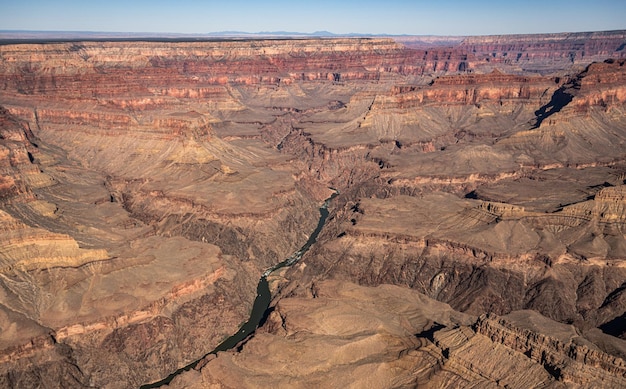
320, 33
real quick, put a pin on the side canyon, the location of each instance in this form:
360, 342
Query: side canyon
478, 240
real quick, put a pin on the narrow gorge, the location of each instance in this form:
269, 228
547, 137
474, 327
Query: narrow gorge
477, 237
260, 308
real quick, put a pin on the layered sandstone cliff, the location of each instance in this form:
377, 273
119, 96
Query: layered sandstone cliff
547, 52
535, 53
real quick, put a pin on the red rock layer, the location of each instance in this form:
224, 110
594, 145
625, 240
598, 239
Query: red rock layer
602, 84
104, 69
471, 89
546, 52
18, 173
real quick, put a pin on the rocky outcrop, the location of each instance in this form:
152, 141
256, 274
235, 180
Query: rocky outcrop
18, 155
600, 85
28, 249
482, 246
574, 363
324, 340
401, 338
474, 89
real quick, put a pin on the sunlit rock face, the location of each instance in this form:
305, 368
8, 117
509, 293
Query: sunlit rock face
145, 186
390, 336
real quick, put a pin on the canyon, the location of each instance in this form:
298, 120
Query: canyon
478, 238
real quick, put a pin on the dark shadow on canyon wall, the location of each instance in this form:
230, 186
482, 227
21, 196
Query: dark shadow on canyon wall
559, 99
615, 327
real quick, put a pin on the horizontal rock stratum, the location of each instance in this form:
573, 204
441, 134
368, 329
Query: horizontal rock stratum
478, 238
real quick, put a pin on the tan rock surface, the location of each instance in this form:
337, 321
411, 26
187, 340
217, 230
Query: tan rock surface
346, 336
389, 337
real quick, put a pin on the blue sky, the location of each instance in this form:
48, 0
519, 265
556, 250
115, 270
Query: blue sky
435, 17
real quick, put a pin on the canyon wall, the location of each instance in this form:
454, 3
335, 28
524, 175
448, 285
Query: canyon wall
536, 53
147, 185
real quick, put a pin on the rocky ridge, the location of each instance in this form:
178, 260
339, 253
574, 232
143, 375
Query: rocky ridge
402, 339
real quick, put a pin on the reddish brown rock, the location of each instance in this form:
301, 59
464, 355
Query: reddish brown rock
547, 52
145, 187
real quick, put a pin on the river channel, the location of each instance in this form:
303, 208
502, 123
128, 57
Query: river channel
261, 302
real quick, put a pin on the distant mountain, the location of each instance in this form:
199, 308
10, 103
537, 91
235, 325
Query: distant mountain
73, 35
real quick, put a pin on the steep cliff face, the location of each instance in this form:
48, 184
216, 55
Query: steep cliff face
116, 68
145, 187
537, 53
547, 52
484, 257
20, 172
